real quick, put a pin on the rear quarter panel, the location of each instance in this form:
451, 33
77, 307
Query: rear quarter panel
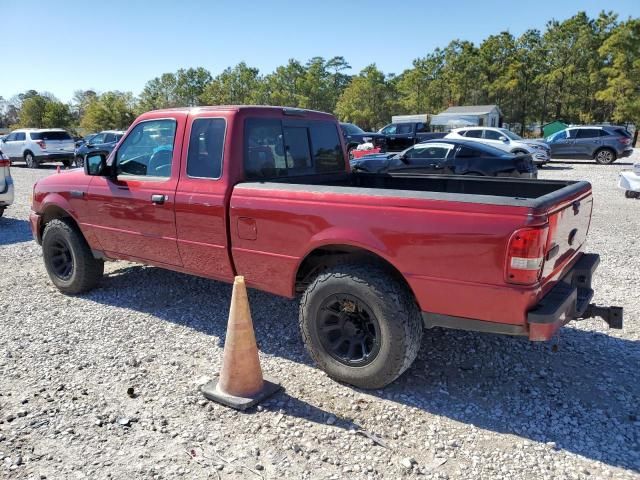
451, 253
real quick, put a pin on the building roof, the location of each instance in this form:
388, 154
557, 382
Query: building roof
471, 110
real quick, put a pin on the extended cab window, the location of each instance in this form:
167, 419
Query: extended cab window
274, 149
147, 150
205, 148
405, 128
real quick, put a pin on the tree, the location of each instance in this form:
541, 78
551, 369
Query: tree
190, 85
158, 93
369, 100
283, 87
620, 54
240, 85
111, 110
57, 115
32, 111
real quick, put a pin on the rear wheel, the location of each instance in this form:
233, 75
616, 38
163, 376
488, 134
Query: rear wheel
605, 156
68, 259
360, 325
30, 160
631, 194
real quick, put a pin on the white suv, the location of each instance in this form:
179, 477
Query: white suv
504, 140
6, 183
39, 145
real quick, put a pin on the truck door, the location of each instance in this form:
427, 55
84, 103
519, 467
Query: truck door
132, 213
201, 217
405, 135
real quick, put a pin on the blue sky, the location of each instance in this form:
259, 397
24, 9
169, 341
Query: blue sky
64, 46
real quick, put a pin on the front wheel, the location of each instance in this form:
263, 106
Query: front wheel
68, 259
360, 325
605, 156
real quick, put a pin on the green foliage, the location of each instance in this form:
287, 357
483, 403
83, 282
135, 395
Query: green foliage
111, 110
369, 100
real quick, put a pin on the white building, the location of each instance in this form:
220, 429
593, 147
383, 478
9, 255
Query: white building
478, 115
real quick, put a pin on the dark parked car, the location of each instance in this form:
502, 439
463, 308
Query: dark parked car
402, 135
604, 144
102, 142
450, 157
354, 136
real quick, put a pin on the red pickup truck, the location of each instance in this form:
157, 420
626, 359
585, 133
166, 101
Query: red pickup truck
266, 192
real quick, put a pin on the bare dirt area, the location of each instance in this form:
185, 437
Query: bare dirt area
106, 384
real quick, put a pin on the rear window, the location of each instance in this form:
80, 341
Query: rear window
50, 136
274, 148
623, 132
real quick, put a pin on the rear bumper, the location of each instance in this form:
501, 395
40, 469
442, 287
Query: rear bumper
626, 153
569, 300
54, 157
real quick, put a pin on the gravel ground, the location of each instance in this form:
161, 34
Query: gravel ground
472, 406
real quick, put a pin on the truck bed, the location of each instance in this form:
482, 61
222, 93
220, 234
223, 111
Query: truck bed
536, 194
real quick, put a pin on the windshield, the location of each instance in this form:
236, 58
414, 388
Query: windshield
510, 134
351, 129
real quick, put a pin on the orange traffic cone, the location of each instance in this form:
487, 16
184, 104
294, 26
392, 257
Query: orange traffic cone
241, 384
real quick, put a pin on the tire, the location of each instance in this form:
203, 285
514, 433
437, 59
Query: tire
605, 156
30, 160
631, 194
79, 161
346, 294
68, 258
520, 152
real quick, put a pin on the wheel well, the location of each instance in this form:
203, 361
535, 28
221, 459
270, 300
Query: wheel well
517, 151
54, 212
328, 256
24, 155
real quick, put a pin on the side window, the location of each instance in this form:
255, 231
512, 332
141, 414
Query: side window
422, 127
10, 138
147, 150
462, 132
109, 138
476, 133
404, 128
466, 152
493, 135
97, 139
429, 152
572, 133
20, 136
274, 150
326, 148
264, 149
588, 133
206, 143
389, 129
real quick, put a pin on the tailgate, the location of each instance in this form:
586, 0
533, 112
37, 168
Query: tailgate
568, 226
60, 146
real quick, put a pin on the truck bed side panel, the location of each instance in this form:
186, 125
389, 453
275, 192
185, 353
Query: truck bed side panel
451, 253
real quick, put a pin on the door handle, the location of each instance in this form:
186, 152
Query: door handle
158, 199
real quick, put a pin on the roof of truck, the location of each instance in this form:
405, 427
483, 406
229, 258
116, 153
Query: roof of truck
291, 110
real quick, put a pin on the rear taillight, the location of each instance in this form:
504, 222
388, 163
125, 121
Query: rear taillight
4, 160
41, 144
525, 255
624, 140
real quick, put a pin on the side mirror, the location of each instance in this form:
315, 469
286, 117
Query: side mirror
96, 165
503, 139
